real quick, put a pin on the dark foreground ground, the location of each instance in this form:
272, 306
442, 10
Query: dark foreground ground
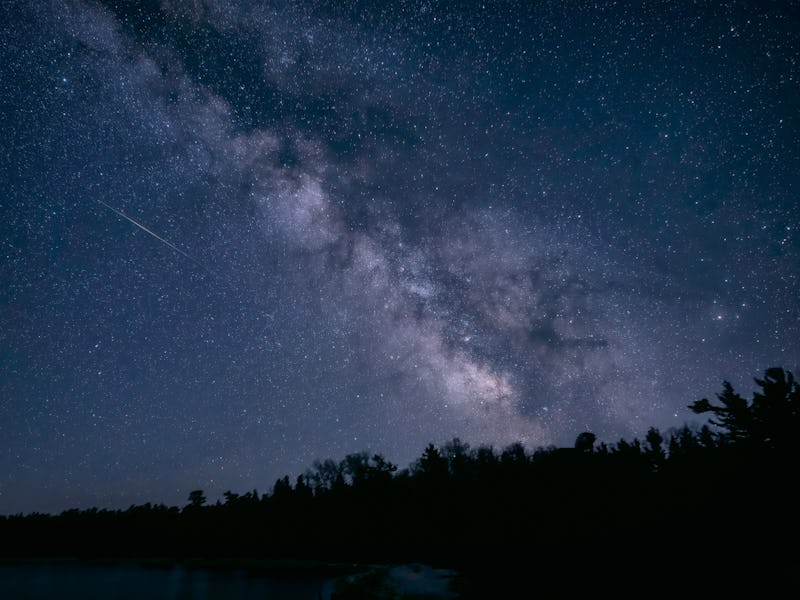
633, 571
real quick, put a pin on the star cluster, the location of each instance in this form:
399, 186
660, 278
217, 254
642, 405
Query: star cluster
238, 236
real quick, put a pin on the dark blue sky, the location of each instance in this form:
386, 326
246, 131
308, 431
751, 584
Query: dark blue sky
239, 236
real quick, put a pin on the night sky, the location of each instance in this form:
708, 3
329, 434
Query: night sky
240, 236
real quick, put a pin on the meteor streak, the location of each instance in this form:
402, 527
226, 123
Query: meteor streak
155, 235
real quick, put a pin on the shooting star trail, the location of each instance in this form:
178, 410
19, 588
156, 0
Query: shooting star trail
155, 235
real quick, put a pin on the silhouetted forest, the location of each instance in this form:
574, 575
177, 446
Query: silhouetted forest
711, 509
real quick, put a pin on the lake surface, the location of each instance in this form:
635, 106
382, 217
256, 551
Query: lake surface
129, 582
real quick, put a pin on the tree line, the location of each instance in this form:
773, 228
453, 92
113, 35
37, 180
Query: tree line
717, 502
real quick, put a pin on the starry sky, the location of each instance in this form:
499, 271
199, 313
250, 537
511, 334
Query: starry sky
238, 236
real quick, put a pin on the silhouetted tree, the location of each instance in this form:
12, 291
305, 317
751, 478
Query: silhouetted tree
326, 475
380, 469
196, 498
514, 454
655, 450
282, 488
302, 491
771, 418
431, 464
356, 467
683, 442
485, 457
585, 442
628, 449
706, 437
733, 415
776, 409
456, 453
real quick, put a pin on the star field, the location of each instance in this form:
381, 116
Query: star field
239, 236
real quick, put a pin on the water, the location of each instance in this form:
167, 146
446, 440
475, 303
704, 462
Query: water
127, 582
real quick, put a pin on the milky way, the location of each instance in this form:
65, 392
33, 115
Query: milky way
372, 227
